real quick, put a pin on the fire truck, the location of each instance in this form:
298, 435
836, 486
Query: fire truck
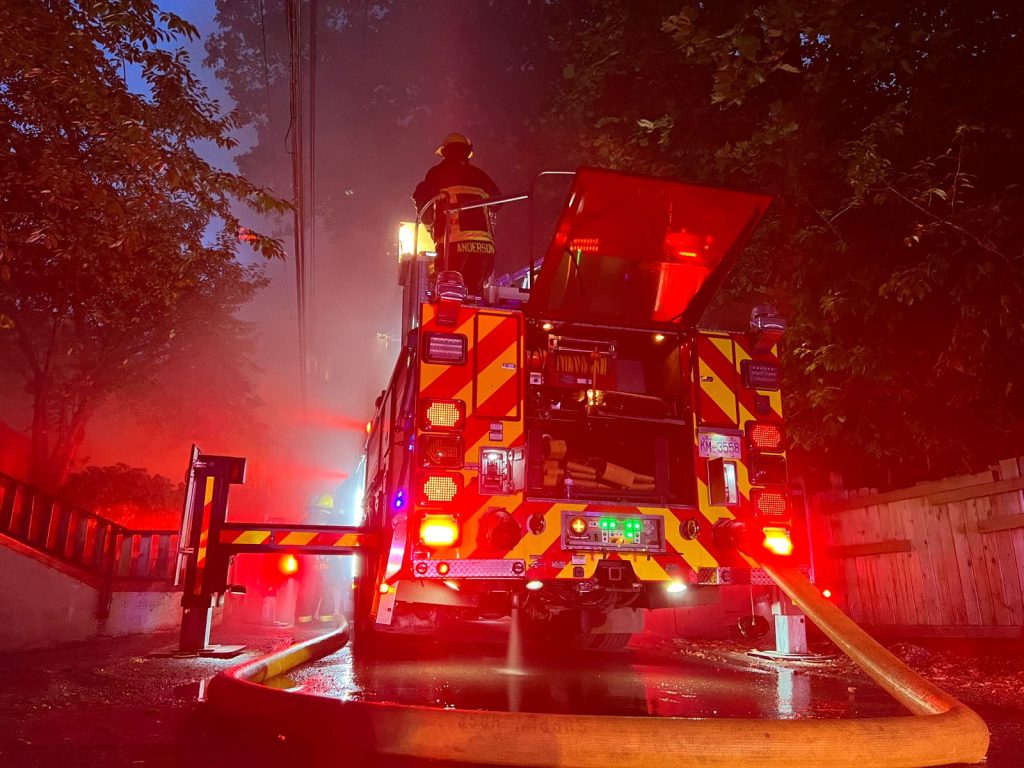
573, 445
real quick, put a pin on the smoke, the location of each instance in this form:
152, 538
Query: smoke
391, 84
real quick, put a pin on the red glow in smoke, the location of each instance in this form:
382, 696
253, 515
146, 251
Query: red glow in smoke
322, 417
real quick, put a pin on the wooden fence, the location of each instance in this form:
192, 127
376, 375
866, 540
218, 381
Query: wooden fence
939, 559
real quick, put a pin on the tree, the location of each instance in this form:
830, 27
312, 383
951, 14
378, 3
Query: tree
128, 495
886, 132
114, 232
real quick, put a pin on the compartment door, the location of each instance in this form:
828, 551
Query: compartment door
497, 383
716, 382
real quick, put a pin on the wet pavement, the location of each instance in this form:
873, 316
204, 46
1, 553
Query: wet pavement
471, 670
107, 703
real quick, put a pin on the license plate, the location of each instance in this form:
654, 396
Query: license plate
714, 445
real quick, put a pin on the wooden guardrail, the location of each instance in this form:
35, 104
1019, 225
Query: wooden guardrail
944, 558
102, 552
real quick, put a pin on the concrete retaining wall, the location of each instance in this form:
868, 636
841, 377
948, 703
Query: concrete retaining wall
42, 605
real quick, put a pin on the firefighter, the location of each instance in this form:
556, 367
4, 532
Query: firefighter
465, 242
320, 584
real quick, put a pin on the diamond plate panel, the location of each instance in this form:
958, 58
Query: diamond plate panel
725, 576
470, 569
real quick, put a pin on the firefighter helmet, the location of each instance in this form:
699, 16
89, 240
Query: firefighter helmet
455, 139
323, 501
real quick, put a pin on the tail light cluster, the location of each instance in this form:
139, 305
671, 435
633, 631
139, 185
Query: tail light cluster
444, 348
439, 484
442, 415
439, 488
768, 477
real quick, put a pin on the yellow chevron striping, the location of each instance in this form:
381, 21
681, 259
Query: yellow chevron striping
466, 395
251, 537
723, 344
647, 569
712, 513
745, 416
692, 551
717, 389
491, 379
297, 537
538, 544
511, 433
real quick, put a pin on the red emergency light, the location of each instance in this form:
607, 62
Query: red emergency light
765, 437
768, 502
442, 415
444, 451
288, 565
584, 245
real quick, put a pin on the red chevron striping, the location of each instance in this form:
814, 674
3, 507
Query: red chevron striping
706, 540
714, 359
504, 400
748, 397
710, 412
451, 381
495, 341
553, 552
479, 354
478, 427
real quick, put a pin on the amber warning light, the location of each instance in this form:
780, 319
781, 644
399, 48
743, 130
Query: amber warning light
777, 541
439, 531
442, 415
440, 488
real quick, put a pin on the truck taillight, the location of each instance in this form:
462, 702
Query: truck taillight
442, 415
765, 437
439, 488
444, 348
439, 530
767, 470
777, 541
768, 502
441, 451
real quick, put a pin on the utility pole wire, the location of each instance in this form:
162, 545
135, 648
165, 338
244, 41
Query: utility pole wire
298, 213
312, 155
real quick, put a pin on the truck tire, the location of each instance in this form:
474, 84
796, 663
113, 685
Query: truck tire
609, 641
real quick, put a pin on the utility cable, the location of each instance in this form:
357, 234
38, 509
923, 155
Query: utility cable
311, 156
266, 66
298, 212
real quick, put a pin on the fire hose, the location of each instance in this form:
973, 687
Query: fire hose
940, 731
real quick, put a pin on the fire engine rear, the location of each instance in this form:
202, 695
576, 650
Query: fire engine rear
581, 449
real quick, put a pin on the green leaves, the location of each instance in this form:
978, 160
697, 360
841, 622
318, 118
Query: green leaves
894, 245
115, 224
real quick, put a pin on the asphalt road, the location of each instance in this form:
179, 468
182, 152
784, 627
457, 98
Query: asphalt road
106, 703
474, 669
